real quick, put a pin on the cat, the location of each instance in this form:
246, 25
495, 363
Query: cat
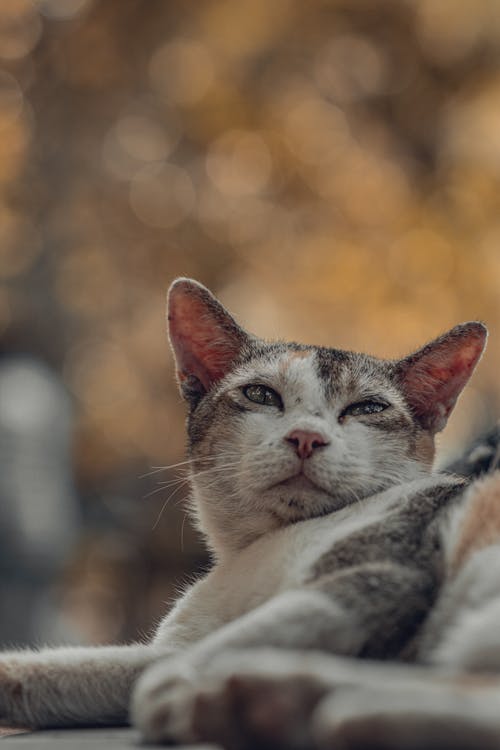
312, 481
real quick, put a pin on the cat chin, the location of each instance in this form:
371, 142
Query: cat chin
298, 498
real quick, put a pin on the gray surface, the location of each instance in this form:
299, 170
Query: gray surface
80, 739
73, 739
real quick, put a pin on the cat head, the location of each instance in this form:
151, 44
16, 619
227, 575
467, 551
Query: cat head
280, 432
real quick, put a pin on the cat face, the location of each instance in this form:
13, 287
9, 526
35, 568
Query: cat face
279, 433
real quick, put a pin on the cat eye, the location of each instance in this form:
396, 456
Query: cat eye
362, 408
262, 394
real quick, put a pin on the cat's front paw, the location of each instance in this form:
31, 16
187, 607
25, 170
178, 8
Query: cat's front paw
247, 707
239, 700
162, 704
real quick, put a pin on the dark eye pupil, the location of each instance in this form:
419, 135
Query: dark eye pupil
365, 407
261, 394
371, 407
256, 393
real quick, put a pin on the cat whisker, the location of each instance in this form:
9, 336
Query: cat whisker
215, 469
176, 490
169, 498
159, 469
160, 489
187, 478
239, 475
182, 531
181, 482
187, 462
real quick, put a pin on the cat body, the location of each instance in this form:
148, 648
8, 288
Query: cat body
312, 481
390, 528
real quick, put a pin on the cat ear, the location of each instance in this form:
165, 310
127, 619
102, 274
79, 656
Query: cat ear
204, 337
433, 377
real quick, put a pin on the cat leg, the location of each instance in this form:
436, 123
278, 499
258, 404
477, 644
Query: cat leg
70, 686
268, 697
430, 715
163, 699
299, 700
317, 617
260, 698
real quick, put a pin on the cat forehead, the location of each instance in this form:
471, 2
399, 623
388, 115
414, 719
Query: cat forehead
282, 367
331, 370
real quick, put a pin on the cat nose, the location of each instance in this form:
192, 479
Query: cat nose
305, 442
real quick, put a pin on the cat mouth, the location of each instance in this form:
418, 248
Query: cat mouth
298, 482
299, 498
301, 486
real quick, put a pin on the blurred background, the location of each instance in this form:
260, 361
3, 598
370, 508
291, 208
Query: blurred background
330, 169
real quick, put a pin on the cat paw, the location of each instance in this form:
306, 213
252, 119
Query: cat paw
238, 701
162, 704
244, 709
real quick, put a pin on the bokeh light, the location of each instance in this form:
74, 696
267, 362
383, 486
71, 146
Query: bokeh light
62, 10
162, 195
182, 71
239, 163
20, 28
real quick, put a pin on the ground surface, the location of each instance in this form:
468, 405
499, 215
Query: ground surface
77, 739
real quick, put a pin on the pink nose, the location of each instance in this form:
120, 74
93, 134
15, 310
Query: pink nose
305, 443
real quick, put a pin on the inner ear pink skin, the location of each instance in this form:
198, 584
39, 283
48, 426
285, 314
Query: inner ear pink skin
433, 377
205, 338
